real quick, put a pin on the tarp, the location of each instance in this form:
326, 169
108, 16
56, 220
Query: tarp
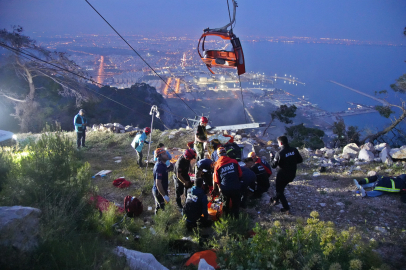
209, 256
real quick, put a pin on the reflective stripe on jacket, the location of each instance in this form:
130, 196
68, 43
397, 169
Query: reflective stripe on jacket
387, 185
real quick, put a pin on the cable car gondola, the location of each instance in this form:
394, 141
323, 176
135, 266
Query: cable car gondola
223, 58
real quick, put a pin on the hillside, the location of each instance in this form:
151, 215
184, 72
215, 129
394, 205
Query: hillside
331, 193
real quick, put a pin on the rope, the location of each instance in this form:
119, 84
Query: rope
239, 79
141, 57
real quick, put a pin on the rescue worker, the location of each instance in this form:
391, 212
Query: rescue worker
214, 155
196, 206
80, 123
160, 173
262, 162
232, 149
262, 183
205, 171
138, 143
287, 159
201, 138
226, 179
181, 176
247, 184
382, 184
168, 162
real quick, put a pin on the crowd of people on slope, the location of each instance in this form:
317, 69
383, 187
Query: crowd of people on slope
226, 173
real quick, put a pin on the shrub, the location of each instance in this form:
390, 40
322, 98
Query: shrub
316, 245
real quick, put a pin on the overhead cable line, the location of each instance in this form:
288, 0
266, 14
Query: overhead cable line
140, 57
239, 79
30, 57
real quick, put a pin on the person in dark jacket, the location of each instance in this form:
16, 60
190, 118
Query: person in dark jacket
287, 159
248, 180
205, 171
262, 177
382, 185
160, 173
226, 179
181, 176
80, 123
196, 206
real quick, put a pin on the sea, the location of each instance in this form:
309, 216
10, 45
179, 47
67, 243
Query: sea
367, 68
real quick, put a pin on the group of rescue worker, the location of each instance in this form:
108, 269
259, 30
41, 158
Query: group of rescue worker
225, 174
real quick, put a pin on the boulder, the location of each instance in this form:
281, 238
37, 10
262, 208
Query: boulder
385, 157
19, 227
371, 173
138, 260
352, 149
346, 156
380, 147
118, 125
318, 153
109, 125
398, 153
329, 153
366, 155
203, 265
368, 146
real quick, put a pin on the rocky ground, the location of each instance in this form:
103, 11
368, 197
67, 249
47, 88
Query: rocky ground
330, 192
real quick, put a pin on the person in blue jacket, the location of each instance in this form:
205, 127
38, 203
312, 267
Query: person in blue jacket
80, 123
138, 143
196, 206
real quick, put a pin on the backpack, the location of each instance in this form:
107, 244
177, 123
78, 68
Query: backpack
132, 206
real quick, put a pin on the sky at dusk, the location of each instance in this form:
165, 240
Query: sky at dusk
372, 20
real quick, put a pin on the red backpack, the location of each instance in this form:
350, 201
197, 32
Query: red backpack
133, 207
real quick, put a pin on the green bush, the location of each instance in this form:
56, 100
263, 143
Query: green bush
315, 245
48, 174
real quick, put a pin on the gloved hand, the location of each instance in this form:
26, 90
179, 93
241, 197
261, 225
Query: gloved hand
166, 198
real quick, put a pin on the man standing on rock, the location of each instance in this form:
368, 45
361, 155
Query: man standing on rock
80, 123
138, 143
287, 159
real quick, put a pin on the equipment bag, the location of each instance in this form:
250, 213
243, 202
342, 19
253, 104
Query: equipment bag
132, 206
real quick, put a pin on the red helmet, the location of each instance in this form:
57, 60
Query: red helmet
147, 130
190, 154
204, 120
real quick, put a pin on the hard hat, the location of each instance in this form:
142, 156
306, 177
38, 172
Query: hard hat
204, 120
221, 151
159, 151
147, 130
190, 154
252, 154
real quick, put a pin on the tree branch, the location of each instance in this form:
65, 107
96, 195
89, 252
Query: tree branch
13, 99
